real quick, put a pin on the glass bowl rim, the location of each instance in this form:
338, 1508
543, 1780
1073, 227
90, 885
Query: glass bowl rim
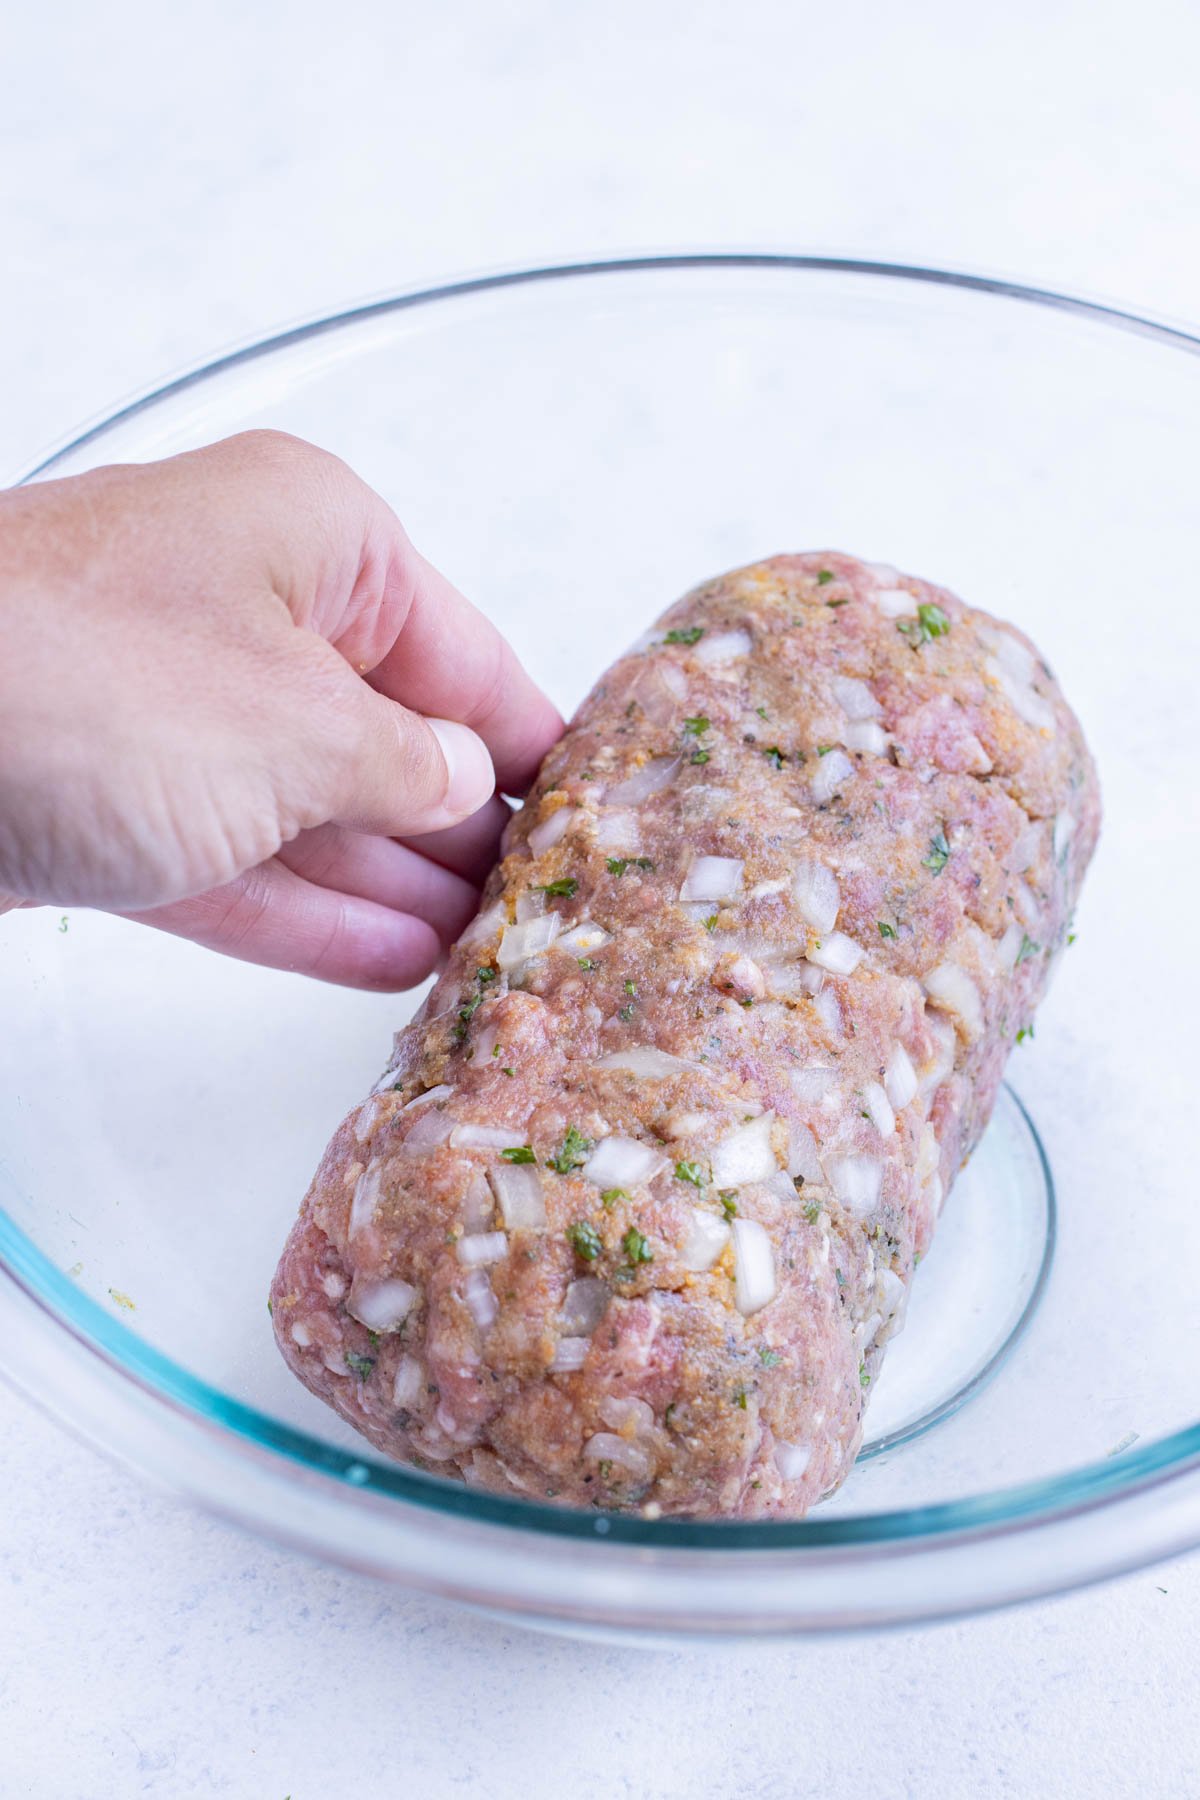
161, 1379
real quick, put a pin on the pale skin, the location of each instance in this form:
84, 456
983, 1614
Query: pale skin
238, 705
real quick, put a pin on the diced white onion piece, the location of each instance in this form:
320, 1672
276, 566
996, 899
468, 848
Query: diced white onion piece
381, 1305
431, 1128
856, 1180
570, 1353
533, 937
628, 1414
867, 736
802, 1153
762, 890
782, 1186
900, 1078
895, 602
608, 1446
792, 1459
928, 1154
483, 929
789, 981
816, 893
387, 1080
366, 1198
584, 1306
864, 1333
430, 1097
855, 698
825, 1005
837, 953
530, 905
746, 1154
1009, 947
882, 572
950, 986
644, 1060
333, 1285
583, 938
1025, 702
812, 1084
622, 1162
880, 1109
945, 1045
1064, 831
482, 1247
1025, 850
366, 1121
301, 1334
754, 1266
650, 779
723, 646
833, 770
1025, 905
892, 1292
478, 1204
1010, 653
410, 1378
481, 1301
518, 1188
551, 831
617, 833
713, 878
469, 1136
484, 1045
706, 1239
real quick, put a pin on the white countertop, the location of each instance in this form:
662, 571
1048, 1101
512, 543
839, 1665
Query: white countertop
174, 179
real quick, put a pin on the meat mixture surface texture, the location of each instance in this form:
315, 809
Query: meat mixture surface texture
632, 1215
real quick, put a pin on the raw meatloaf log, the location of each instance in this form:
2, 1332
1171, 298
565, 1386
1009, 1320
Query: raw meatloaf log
634, 1212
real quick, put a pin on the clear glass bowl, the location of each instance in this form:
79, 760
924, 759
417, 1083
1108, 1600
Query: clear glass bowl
577, 446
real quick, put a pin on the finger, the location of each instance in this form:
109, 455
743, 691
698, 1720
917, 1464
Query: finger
344, 566
450, 660
471, 848
376, 868
271, 916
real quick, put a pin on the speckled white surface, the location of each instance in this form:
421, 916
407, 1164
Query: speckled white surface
174, 178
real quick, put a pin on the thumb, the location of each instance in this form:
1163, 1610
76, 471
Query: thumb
409, 774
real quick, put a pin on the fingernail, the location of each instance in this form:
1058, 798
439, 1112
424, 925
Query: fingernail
470, 777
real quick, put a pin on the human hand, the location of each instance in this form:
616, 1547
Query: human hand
236, 703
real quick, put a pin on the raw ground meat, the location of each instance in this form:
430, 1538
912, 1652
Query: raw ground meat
634, 1211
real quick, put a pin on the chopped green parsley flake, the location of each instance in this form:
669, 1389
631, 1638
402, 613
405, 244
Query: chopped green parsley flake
572, 1151
610, 1196
584, 1239
710, 924
1028, 949
699, 756
360, 1365
863, 1378
824, 749
812, 1212
1071, 937
625, 1013
1026, 1031
886, 930
696, 726
930, 622
690, 1171
636, 1247
728, 1199
761, 711
565, 888
586, 964
684, 634
834, 604
631, 987
519, 1153
770, 1359
617, 865
824, 577
775, 755
939, 853
739, 1398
